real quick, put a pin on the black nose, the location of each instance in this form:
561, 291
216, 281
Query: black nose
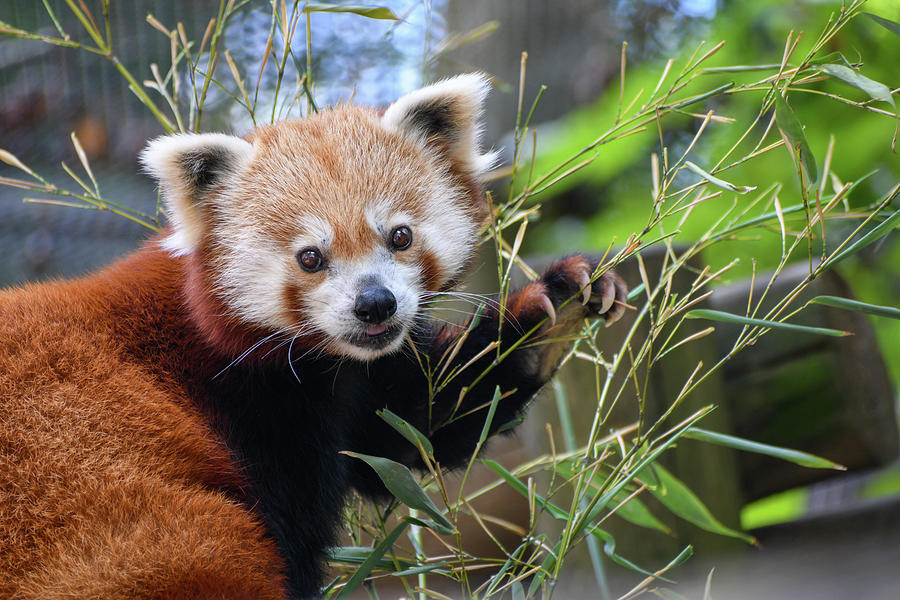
375, 304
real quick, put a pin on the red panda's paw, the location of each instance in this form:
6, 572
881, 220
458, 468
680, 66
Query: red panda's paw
569, 279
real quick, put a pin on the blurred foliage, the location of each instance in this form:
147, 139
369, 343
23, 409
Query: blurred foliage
609, 198
777, 508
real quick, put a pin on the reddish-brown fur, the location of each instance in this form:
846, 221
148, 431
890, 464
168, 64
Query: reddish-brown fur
114, 481
115, 477
109, 477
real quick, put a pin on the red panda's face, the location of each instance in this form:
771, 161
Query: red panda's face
329, 230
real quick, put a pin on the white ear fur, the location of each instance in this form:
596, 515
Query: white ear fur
187, 166
449, 113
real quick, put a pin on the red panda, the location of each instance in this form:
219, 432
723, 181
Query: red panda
170, 427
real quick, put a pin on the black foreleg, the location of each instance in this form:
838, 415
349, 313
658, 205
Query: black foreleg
468, 363
540, 322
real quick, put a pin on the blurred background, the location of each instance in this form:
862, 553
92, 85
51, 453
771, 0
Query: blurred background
823, 535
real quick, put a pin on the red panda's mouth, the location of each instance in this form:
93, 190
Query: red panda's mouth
376, 330
377, 336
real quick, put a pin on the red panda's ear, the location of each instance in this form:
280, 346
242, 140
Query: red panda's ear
446, 116
190, 169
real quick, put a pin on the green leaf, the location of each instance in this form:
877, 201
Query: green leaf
486, 429
681, 558
739, 189
510, 561
518, 592
825, 59
803, 459
371, 12
778, 508
400, 482
785, 211
477, 317
792, 132
511, 424
703, 96
889, 25
875, 234
635, 292
609, 549
875, 90
420, 569
648, 477
718, 315
356, 555
370, 561
647, 460
514, 482
609, 543
634, 511
872, 309
679, 498
415, 436
546, 568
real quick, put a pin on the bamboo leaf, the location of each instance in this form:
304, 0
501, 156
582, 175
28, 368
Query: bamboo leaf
514, 482
13, 161
796, 208
511, 424
609, 544
507, 565
371, 12
792, 132
518, 591
889, 25
537, 582
717, 315
635, 292
725, 185
402, 427
875, 234
609, 549
642, 467
490, 417
826, 59
803, 459
400, 482
872, 309
82, 157
634, 511
416, 570
357, 555
679, 498
779, 213
369, 563
875, 89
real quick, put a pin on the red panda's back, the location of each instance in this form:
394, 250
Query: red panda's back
100, 455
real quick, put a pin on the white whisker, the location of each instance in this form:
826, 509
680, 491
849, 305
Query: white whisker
247, 352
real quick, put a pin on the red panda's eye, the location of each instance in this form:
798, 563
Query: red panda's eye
401, 238
310, 259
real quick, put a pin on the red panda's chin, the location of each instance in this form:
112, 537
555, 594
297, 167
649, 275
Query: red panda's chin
372, 342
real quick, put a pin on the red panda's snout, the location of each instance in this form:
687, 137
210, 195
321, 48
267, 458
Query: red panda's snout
366, 306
